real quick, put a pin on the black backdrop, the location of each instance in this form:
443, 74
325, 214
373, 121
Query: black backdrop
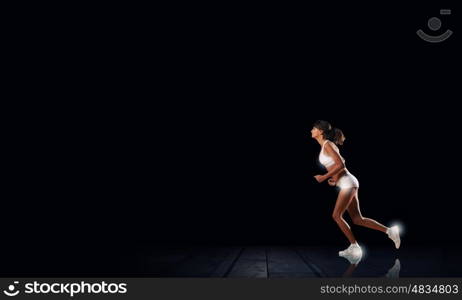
236, 160
197, 130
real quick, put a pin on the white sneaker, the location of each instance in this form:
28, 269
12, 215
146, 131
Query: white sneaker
353, 259
393, 234
353, 251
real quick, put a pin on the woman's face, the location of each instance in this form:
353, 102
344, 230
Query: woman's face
315, 132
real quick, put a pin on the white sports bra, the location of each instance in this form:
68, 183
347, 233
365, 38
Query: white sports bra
325, 160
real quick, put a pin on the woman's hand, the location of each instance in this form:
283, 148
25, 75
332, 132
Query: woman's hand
331, 182
320, 178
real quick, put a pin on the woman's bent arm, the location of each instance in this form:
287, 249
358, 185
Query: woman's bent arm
338, 166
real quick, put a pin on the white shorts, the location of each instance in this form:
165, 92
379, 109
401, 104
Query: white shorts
347, 181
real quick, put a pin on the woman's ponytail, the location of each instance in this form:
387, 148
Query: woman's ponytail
336, 136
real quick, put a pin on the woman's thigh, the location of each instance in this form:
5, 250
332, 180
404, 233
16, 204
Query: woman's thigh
343, 199
353, 209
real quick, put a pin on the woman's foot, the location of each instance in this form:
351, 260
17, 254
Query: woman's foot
353, 251
353, 259
393, 234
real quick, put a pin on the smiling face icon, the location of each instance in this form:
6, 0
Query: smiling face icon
11, 290
435, 24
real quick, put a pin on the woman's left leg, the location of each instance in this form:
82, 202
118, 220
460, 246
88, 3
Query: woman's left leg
344, 197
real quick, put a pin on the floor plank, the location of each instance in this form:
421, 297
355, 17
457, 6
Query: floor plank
285, 262
252, 263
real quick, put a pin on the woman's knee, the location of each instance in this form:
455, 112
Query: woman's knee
358, 220
336, 216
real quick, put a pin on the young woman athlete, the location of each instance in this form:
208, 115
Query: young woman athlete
337, 174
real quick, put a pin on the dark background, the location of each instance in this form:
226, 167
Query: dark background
194, 128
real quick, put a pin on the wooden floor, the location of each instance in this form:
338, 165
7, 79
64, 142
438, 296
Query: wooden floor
290, 262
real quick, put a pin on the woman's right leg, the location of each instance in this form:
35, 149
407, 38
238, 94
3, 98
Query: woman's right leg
358, 219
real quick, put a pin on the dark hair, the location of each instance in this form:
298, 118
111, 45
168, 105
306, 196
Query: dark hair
331, 133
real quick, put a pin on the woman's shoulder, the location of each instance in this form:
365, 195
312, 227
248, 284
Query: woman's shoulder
333, 145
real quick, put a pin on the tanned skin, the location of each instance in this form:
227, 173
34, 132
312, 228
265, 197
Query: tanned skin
347, 198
